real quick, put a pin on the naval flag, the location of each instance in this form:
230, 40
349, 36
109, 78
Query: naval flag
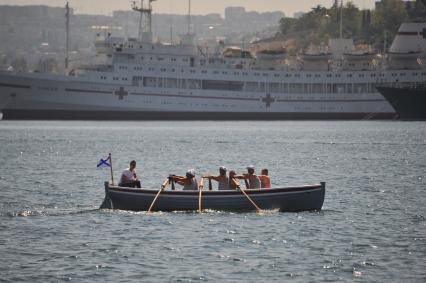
104, 163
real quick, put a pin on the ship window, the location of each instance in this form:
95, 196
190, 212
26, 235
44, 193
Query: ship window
251, 86
295, 88
149, 81
222, 85
171, 83
193, 84
317, 88
274, 87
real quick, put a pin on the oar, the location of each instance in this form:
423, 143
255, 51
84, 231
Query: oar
158, 194
199, 195
249, 198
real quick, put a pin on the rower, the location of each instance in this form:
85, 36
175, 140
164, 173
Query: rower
265, 181
233, 182
189, 182
252, 179
222, 179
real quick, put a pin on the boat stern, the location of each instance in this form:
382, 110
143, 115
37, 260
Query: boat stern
107, 203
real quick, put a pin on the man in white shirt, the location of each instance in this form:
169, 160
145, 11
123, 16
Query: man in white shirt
129, 178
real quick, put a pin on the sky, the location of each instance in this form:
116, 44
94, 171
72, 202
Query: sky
289, 7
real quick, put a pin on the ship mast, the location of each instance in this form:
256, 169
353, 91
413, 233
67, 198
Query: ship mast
67, 44
341, 19
189, 16
145, 20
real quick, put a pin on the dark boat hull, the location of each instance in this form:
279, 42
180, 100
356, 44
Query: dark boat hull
291, 199
409, 103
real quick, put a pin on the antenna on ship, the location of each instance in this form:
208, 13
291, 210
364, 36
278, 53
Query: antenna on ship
67, 44
188, 38
341, 19
145, 20
189, 16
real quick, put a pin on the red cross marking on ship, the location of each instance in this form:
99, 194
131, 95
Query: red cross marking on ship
121, 93
268, 100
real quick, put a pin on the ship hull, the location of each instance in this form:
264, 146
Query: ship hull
25, 114
409, 103
49, 97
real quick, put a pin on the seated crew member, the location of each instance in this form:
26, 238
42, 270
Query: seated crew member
265, 181
129, 178
253, 182
189, 182
233, 182
222, 179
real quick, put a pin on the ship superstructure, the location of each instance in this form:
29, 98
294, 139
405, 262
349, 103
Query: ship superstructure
137, 78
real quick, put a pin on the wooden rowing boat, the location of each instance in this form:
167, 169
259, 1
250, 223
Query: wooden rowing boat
285, 199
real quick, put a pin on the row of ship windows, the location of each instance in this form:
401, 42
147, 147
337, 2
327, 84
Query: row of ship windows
163, 70
321, 107
114, 78
133, 57
153, 82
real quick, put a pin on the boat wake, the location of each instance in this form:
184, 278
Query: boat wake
29, 213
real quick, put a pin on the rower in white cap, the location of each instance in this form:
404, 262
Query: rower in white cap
253, 181
222, 179
189, 182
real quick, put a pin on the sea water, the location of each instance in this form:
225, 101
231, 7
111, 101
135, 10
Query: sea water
372, 227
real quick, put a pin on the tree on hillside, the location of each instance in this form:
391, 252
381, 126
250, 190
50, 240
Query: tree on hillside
387, 18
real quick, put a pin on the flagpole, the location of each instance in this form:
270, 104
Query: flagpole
112, 176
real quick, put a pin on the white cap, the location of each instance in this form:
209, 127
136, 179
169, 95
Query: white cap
223, 168
191, 172
250, 167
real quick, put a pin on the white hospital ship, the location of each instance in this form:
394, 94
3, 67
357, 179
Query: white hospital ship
142, 79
